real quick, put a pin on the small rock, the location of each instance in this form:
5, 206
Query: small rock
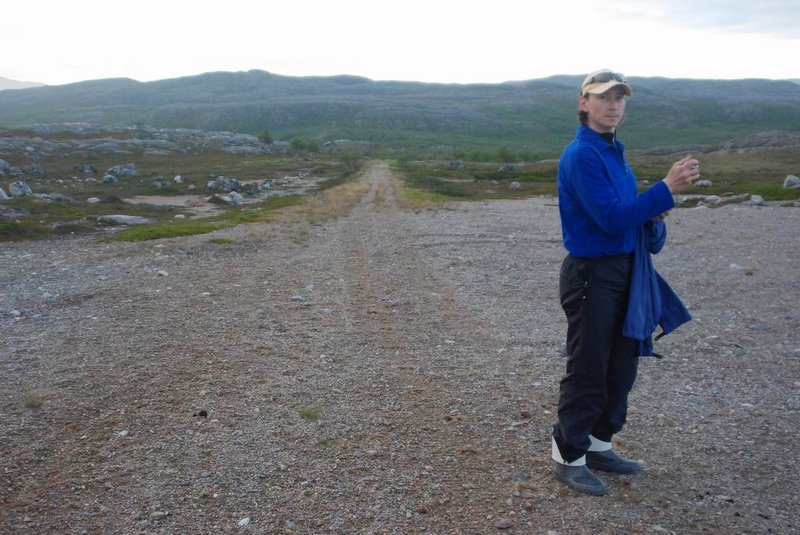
791, 182
243, 523
158, 515
93, 200
123, 433
503, 523
758, 200
121, 219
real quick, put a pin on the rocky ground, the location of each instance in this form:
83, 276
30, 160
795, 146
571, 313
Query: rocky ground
389, 372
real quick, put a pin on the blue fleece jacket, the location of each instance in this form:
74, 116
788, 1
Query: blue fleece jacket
651, 301
602, 214
598, 199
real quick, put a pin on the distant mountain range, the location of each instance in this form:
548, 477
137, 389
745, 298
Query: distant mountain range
534, 115
7, 83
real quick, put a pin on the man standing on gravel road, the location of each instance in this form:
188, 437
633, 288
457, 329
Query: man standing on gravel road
611, 294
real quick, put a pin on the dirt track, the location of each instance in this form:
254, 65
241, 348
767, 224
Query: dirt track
386, 372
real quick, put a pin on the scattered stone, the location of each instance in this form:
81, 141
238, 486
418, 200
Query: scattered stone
703, 183
110, 179
791, 182
504, 523
20, 189
93, 200
120, 219
233, 198
123, 433
3, 194
83, 168
758, 200
515, 185
457, 165
161, 183
178, 179
60, 197
12, 213
158, 515
226, 184
243, 523
128, 169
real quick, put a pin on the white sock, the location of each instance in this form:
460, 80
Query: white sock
559, 459
599, 445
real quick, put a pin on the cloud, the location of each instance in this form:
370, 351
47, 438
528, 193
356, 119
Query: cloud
776, 18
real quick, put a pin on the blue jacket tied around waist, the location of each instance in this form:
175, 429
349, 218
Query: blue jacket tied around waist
651, 302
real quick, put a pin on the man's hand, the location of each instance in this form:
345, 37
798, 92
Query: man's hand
682, 174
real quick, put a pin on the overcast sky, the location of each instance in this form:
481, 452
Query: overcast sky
461, 41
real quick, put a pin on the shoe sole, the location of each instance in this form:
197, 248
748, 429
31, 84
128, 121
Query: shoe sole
612, 470
594, 491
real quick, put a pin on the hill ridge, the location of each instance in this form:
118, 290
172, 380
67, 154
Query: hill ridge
536, 114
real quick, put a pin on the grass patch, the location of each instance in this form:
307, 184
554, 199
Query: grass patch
167, 230
757, 173
17, 231
33, 400
309, 414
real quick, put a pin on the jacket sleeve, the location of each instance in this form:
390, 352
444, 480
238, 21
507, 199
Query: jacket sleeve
605, 202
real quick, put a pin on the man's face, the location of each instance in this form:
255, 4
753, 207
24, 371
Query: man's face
605, 111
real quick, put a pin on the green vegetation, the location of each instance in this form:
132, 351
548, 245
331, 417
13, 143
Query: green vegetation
756, 173
309, 414
516, 121
477, 181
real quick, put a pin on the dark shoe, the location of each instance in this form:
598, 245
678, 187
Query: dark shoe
609, 461
580, 478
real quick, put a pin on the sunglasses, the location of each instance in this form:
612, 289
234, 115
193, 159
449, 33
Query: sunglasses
606, 76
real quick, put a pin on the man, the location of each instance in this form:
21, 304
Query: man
607, 282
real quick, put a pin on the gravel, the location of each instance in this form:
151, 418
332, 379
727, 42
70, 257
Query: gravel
390, 371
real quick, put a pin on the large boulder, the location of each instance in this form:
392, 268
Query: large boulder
119, 219
791, 182
222, 183
128, 169
20, 189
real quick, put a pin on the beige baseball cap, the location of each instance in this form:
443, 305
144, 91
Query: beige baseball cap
601, 81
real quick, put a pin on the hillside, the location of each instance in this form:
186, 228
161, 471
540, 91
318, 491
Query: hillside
533, 115
7, 83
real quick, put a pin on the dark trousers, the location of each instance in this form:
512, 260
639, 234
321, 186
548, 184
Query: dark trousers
601, 363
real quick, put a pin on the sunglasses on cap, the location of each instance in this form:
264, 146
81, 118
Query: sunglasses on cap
606, 76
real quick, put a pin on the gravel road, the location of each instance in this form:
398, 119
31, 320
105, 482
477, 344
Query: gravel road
386, 372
